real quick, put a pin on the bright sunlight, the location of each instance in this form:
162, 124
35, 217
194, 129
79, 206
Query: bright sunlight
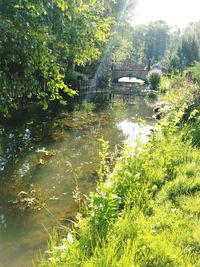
174, 12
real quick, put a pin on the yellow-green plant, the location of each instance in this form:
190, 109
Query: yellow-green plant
145, 212
154, 78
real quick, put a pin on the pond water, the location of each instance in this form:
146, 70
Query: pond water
44, 159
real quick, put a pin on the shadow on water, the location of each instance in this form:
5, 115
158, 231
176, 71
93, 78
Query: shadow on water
42, 160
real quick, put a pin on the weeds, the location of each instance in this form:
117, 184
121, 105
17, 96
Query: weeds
146, 210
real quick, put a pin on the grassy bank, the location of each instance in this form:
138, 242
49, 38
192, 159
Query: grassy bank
146, 211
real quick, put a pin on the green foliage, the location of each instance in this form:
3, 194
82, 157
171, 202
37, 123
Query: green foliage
174, 61
195, 71
164, 84
154, 78
42, 41
156, 41
151, 96
75, 75
145, 212
150, 43
138, 44
121, 46
184, 49
103, 170
138, 215
88, 106
189, 49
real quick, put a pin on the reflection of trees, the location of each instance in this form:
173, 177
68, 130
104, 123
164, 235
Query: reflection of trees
74, 135
18, 141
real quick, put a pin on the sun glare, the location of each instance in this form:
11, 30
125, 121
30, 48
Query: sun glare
174, 12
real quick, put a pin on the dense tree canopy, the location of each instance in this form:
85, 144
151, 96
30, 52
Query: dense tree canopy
184, 48
189, 49
150, 42
157, 42
41, 41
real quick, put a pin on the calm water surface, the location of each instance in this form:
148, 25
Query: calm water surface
45, 158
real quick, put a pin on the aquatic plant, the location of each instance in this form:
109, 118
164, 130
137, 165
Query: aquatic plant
30, 200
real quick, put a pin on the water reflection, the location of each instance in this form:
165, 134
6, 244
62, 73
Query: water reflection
130, 80
53, 155
134, 132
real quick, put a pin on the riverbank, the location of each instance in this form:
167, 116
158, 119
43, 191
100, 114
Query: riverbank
44, 157
145, 212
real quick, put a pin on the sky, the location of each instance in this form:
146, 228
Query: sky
174, 12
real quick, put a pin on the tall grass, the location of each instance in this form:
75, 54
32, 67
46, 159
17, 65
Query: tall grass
146, 211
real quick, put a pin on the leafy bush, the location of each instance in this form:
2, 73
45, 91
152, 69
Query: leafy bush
154, 78
75, 75
40, 42
164, 84
195, 69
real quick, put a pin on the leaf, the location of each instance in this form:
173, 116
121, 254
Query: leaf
45, 106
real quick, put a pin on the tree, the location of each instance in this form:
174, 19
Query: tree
138, 44
189, 49
41, 40
119, 46
184, 48
150, 42
156, 41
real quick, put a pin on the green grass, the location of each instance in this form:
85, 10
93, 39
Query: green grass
146, 211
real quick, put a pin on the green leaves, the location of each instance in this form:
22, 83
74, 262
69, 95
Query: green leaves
41, 41
35, 39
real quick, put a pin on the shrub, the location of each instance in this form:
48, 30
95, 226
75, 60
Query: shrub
164, 84
195, 71
154, 78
